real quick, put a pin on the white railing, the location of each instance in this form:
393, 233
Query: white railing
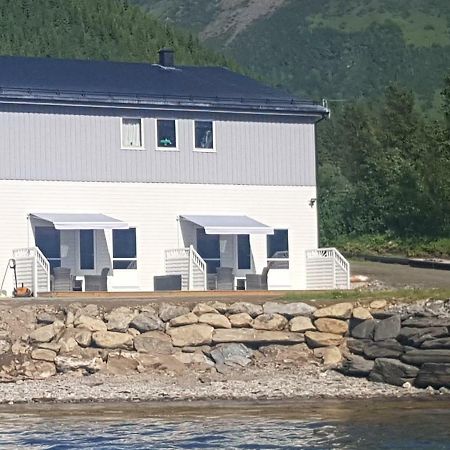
32, 269
190, 265
326, 268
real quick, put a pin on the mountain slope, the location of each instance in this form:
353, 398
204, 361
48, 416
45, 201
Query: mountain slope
339, 49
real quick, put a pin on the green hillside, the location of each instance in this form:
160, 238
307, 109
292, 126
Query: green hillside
338, 49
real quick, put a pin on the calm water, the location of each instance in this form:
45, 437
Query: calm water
302, 425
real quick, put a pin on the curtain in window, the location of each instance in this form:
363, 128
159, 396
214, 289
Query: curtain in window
131, 133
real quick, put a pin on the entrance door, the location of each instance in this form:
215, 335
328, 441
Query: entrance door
208, 247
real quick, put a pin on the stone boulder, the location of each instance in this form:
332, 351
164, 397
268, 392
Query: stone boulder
256, 337
337, 311
186, 319
437, 343
288, 355
363, 330
361, 313
330, 356
83, 337
215, 320
47, 332
233, 355
356, 366
42, 354
242, 320
191, 335
147, 322
196, 359
251, 309
389, 348
289, 309
301, 324
435, 375
316, 339
166, 363
378, 304
270, 322
203, 308
422, 356
121, 364
414, 337
112, 340
69, 363
46, 318
392, 371
154, 342
387, 329
168, 312
334, 326
90, 323
221, 307
119, 319
356, 346
427, 322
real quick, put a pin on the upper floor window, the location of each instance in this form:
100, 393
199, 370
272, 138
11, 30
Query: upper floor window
204, 135
166, 134
132, 136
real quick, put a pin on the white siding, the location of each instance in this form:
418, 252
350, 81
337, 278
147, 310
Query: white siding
154, 208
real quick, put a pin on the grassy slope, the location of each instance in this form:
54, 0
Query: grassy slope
334, 48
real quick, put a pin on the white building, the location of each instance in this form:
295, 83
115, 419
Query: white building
122, 172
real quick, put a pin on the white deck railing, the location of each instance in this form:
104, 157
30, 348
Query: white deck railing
326, 268
32, 269
190, 265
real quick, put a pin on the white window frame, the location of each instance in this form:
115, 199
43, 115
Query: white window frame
204, 150
125, 259
167, 149
274, 260
142, 147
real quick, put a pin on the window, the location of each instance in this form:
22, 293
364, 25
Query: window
166, 134
132, 133
208, 247
204, 135
243, 250
278, 249
87, 250
124, 249
48, 240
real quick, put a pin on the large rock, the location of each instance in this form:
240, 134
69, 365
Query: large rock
383, 349
378, 304
392, 371
42, 370
119, 319
154, 342
197, 359
203, 308
356, 346
288, 355
356, 366
119, 364
427, 322
301, 324
361, 313
334, 326
215, 320
289, 309
232, 355
186, 319
435, 375
42, 354
242, 320
256, 337
68, 363
251, 309
316, 339
166, 363
363, 330
147, 322
191, 335
83, 337
221, 307
46, 318
422, 356
112, 340
337, 311
437, 343
270, 322
414, 337
168, 312
387, 329
90, 323
330, 356
46, 333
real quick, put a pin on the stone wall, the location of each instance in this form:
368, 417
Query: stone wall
393, 346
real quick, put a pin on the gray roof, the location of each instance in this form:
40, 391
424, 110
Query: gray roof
105, 82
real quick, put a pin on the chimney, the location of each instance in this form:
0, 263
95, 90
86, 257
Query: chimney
166, 57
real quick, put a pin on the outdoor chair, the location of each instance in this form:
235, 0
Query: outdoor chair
225, 279
62, 279
97, 282
257, 282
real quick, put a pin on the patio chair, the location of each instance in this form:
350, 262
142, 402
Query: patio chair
257, 282
62, 279
97, 282
225, 279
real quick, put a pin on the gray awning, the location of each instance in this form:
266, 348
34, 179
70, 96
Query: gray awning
229, 224
81, 221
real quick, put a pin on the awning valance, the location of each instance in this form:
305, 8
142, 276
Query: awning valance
81, 221
228, 224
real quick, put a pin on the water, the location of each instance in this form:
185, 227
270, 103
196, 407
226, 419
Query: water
217, 425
